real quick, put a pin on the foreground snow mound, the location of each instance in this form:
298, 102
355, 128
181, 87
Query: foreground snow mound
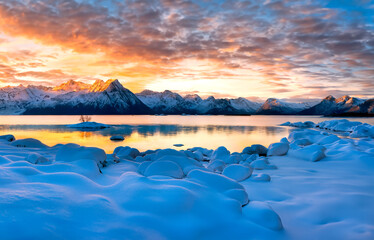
262, 214
89, 126
164, 168
73, 152
311, 153
71, 193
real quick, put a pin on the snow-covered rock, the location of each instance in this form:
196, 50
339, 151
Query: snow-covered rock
28, 143
262, 214
261, 177
126, 152
237, 172
73, 152
8, 138
216, 165
221, 153
164, 168
311, 153
255, 149
261, 163
278, 149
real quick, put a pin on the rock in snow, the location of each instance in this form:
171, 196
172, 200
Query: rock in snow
73, 152
255, 149
278, 149
262, 214
237, 172
164, 168
261, 177
311, 153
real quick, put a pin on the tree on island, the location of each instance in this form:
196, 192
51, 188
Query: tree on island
85, 118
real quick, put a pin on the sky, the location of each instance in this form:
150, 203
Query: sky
304, 49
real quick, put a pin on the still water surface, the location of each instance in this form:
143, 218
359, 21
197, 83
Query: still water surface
152, 132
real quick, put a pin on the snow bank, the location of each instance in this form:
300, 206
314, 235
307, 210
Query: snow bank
354, 128
89, 126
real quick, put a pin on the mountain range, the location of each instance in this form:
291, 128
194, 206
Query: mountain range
110, 97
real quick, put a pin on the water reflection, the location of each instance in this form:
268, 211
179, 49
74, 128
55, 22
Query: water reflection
147, 130
152, 136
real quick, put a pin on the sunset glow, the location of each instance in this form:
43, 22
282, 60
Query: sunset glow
259, 49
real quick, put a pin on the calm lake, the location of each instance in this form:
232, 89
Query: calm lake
152, 132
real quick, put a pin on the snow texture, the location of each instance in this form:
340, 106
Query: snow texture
318, 187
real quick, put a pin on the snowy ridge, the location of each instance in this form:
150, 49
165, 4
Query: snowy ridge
276, 106
168, 102
285, 191
110, 97
336, 106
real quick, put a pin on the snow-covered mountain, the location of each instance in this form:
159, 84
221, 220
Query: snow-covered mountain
273, 106
72, 86
165, 102
15, 100
110, 97
334, 106
168, 102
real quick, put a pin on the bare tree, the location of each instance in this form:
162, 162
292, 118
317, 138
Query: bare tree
85, 118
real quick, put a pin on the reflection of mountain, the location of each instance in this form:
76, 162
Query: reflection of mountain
151, 130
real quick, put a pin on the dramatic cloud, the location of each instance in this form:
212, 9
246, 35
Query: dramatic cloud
266, 47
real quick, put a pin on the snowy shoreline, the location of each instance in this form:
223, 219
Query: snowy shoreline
311, 185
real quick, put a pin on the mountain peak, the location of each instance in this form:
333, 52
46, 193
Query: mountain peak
330, 98
100, 85
72, 86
